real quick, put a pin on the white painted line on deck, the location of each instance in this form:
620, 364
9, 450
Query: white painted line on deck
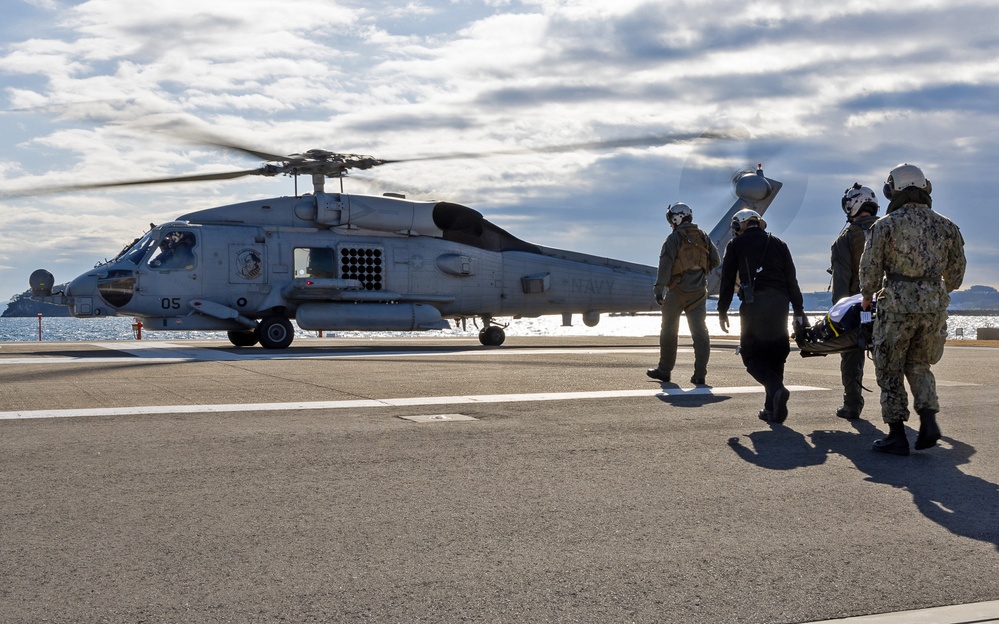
975, 613
397, 402
84, 360
161, 352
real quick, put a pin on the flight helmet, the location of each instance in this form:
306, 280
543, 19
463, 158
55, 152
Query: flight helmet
903, 176
744, 218
857, 198
679, 212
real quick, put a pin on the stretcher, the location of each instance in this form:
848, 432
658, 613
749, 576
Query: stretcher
842, 329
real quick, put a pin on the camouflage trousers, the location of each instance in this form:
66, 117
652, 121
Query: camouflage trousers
905, 346
694, 305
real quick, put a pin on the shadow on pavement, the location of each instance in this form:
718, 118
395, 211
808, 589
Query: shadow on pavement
693, 398
963, 504
778, 448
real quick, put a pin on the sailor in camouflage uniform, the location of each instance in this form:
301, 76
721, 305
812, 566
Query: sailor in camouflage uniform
687, 256
861, 207
913, 258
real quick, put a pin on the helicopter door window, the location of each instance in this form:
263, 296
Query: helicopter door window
176, 252
318, 262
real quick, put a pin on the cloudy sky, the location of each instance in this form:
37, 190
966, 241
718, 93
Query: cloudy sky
823, 96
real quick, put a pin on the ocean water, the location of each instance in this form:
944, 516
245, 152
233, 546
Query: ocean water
646, 324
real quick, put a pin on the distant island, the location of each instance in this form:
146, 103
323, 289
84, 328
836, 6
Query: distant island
22, 305
973, 300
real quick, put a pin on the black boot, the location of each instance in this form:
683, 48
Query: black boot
656, 373
929, 431
781, 396
848, 413
895, 443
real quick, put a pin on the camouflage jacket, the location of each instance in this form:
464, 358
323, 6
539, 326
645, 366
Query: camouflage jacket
692, 279
845, 254
906, 255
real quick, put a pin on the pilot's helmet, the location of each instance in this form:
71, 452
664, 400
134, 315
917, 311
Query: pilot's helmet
857, 198
746, 217
903, 176
679, 212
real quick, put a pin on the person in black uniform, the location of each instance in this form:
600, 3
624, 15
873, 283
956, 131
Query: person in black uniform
768, 284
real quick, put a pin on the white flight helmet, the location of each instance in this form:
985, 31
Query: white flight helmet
679, 212
859, 197
903, 176
742, 219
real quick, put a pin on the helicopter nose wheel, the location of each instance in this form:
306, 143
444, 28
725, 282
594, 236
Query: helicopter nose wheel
492, 336
275, 332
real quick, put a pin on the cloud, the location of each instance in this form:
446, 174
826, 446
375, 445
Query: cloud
952, 97
828, 94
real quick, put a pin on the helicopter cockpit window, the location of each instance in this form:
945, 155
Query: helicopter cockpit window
176, 251
138, 250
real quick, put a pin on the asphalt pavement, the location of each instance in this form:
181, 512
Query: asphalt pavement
436, 480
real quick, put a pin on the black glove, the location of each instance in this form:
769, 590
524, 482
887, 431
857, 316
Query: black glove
800, 325
659, 300
723, 321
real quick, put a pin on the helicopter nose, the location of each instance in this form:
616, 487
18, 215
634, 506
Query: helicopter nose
81, 286
81, 294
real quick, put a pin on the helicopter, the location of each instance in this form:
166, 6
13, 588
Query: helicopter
333, 261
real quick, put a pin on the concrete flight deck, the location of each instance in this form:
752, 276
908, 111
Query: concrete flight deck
436, 480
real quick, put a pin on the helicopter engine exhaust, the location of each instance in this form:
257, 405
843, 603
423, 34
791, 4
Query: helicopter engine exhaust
369, 317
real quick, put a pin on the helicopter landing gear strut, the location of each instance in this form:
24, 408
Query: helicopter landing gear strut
491, 335
275, 332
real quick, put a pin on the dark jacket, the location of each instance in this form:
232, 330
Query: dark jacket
777, 272
845, 255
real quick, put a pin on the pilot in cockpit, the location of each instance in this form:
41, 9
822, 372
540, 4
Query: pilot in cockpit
176, 251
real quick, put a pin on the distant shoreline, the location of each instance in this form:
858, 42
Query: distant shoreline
735, 312
973, 312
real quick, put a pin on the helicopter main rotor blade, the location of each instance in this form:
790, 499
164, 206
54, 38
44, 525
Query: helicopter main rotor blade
229, 175
223, 144
333, 164
645, 141
184, 129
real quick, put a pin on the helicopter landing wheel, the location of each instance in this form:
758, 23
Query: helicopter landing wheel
243, 338
492, 336
275, 332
